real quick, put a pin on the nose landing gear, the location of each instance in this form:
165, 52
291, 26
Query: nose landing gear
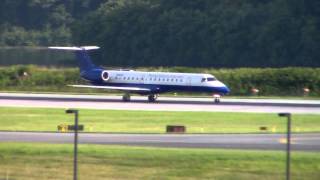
216, 98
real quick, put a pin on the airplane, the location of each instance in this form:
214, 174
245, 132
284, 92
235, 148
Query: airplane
150, 84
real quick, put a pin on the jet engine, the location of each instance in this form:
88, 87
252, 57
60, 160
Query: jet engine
105, 76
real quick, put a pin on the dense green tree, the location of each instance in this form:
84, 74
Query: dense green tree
41, 22
220, 33
217, 33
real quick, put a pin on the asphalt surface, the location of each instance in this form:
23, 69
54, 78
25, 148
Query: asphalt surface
162, 104
300, 142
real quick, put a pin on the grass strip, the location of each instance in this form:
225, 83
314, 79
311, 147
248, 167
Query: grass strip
54, 161
47, 119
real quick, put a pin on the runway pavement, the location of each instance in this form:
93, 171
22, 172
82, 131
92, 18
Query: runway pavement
301, 142
162, 104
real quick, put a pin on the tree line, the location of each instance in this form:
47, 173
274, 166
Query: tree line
241, 81
194, 33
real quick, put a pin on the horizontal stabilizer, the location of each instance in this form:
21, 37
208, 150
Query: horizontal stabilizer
74, 48
114, 88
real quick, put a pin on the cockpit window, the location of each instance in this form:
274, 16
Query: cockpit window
211, 79
208, 79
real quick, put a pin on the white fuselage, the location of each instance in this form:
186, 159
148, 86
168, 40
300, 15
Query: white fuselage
161, 78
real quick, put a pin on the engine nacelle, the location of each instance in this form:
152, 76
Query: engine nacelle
105, 76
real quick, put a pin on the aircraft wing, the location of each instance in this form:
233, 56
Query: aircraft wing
113, 88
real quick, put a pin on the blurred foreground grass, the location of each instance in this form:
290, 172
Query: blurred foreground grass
54, 161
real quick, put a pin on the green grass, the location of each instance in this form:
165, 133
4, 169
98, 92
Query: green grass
42, 119
49, 161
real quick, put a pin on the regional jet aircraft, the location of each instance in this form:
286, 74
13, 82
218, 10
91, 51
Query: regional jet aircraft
144, 83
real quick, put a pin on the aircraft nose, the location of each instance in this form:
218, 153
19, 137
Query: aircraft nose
226, 89
220, 87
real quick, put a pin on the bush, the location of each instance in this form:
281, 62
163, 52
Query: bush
269, 81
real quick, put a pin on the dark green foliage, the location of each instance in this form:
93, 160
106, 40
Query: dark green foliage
41, 22
202, 33
270, 81
29, 76
193, 33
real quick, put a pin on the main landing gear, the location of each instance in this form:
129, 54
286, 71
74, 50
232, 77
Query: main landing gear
216, 98
151, 98
126, 97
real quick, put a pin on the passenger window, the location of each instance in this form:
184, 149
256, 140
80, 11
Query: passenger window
203, 79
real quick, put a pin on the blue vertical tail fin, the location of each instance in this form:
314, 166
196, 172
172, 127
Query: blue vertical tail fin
84, 61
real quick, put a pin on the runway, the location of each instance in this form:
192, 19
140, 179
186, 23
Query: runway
300, 142
162, 104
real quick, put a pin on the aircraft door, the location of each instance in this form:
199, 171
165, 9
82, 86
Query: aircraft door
188, 82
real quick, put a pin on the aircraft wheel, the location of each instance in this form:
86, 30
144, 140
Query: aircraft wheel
126, 97
216, 98
152, 98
